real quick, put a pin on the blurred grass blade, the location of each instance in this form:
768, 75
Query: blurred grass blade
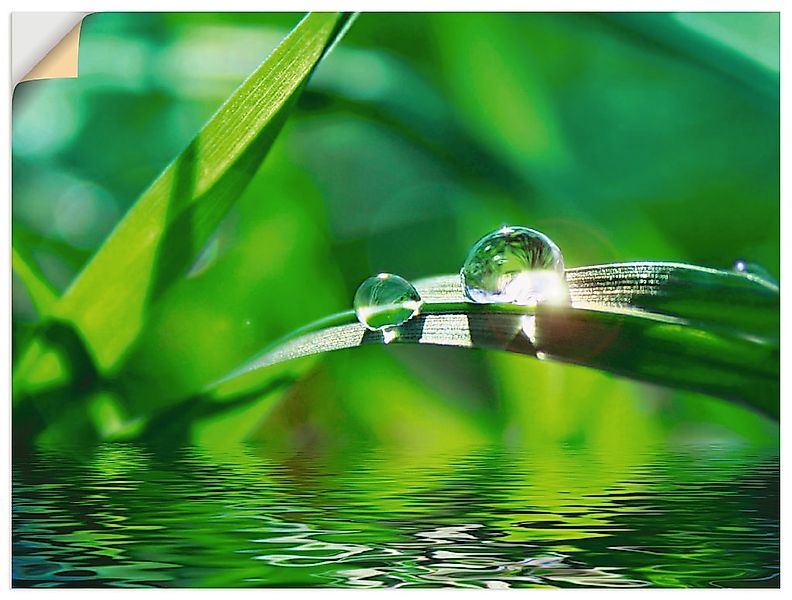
665, 323
165, 230
41, 293
716, 41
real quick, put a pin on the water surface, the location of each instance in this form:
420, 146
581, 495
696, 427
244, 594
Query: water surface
128, 515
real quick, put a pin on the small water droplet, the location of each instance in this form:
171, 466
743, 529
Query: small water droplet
385, 301
529, 328
389, 334
749, 268
515, 265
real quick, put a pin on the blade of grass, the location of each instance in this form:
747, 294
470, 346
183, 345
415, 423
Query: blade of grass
668, 34
41, 293
43, 297
664, 323
162, 234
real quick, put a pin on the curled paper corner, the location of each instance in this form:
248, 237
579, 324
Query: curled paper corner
61, 60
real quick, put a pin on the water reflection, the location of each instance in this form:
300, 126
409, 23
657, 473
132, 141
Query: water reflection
125, 515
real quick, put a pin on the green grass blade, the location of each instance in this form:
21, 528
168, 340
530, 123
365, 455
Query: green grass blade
162, 234
41, 293
665, 323
673, 34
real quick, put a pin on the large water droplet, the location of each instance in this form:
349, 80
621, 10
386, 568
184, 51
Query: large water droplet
385, 301
515, 265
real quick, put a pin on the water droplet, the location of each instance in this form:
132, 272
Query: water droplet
386, 301
515, 265
389, 334
749, 268
741, 266
529, 328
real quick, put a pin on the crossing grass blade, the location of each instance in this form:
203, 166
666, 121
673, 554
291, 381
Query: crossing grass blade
167, 227
42, 295
711, 331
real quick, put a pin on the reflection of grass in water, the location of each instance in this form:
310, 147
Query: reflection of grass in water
365, 517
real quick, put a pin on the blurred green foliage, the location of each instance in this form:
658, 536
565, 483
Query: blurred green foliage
623, 137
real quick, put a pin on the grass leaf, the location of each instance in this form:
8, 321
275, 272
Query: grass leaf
742, 47
711, 331
166, 229
41, 293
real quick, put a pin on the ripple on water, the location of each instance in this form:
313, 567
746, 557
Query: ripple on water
123, 515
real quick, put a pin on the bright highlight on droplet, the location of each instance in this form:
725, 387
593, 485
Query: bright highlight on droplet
515, 265
749, 268
529, 327
385, 301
